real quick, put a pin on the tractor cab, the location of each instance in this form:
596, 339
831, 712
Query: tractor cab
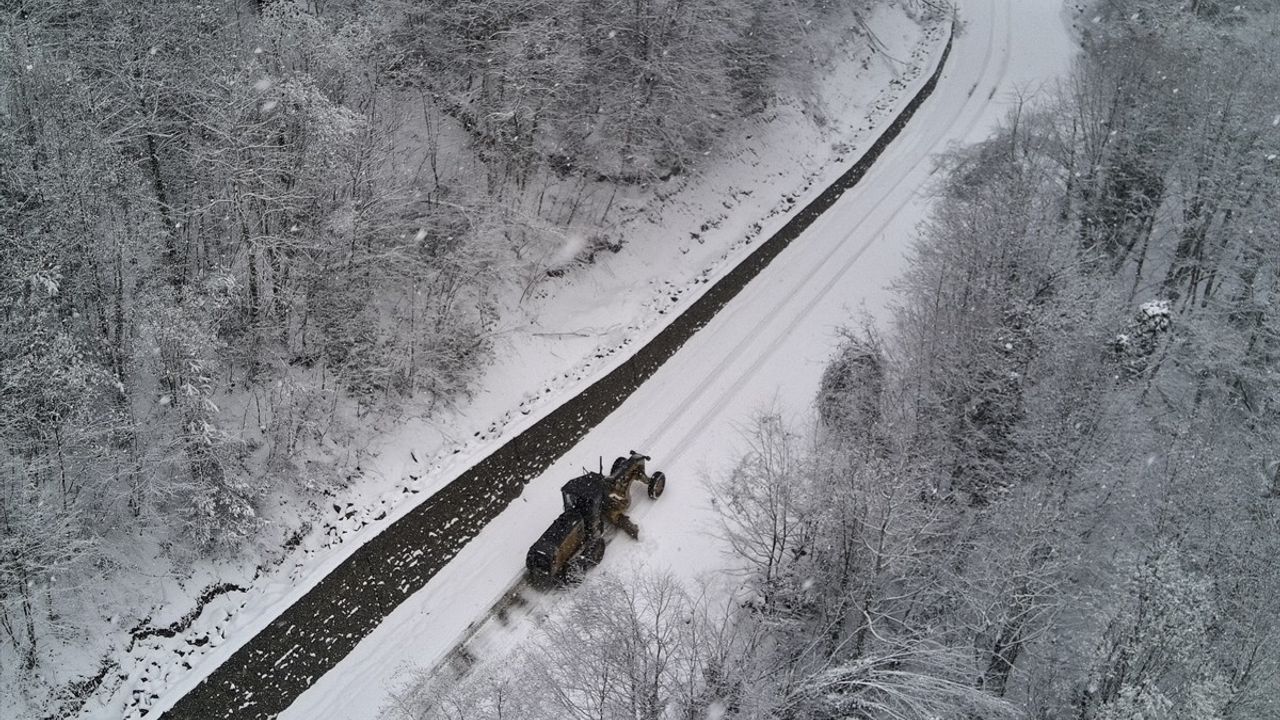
584, 496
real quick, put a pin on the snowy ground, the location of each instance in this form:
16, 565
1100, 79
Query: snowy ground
767, 347
764, 351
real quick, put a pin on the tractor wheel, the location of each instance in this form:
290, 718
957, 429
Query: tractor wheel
657, 483
616, 465
590, 557
592, 554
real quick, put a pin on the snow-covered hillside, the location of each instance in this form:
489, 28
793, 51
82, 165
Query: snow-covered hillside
765, 352
560, 338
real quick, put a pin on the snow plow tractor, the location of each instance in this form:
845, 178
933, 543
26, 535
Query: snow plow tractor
575, 541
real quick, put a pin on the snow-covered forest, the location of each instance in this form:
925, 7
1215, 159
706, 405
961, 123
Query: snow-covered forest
1050, 489
235, 233
241, 236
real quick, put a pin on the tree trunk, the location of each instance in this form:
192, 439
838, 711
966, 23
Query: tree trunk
176, 275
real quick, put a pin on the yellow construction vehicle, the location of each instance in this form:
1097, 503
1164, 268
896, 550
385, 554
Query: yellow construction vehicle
575, 541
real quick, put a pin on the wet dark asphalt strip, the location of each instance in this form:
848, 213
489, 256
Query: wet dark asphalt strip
265, 675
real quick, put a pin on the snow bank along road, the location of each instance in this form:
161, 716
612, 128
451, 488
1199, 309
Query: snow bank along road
780, 323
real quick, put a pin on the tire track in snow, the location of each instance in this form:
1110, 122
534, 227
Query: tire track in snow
740, 350
263, 677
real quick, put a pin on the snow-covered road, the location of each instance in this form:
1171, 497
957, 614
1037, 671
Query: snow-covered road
765, 350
